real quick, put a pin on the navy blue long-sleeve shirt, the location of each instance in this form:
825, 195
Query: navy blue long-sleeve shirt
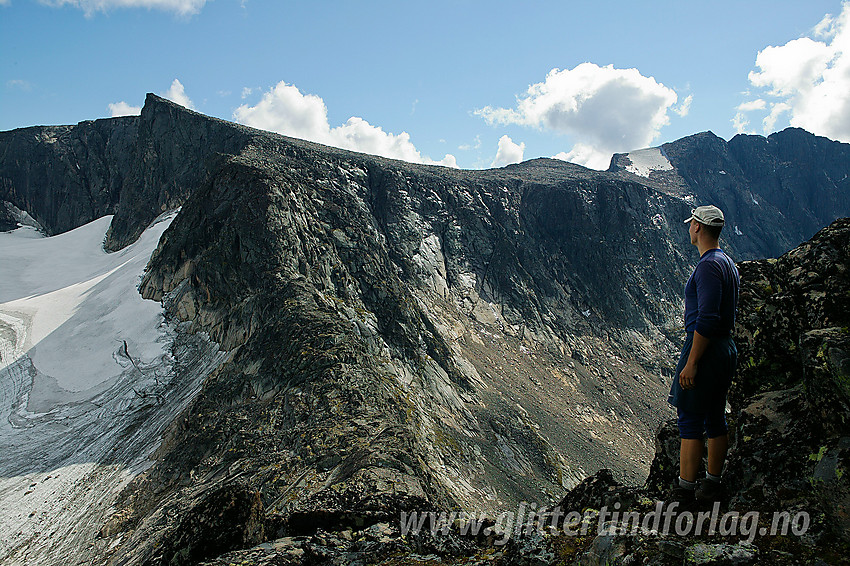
711, 295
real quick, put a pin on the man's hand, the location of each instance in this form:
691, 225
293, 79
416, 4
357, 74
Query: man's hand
688, 376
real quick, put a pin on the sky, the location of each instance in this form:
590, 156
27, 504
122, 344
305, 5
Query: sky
463, 83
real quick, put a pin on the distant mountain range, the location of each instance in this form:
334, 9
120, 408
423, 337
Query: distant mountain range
388, 335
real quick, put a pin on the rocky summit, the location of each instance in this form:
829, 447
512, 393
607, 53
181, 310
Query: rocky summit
396, 338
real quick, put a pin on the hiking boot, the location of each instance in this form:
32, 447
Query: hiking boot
681, 495
709, 491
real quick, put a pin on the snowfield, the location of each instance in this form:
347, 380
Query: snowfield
645, 161
87, 385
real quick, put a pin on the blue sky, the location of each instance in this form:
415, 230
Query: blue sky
463, 83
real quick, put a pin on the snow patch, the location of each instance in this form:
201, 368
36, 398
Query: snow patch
645, 161
90, 376
79, 304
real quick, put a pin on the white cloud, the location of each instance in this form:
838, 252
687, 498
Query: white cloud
606, 109
89, 7
791, 67
508, 152
750, 105
176, 93
825, 28
776, 110
586, 155
740, 122
124, 109
246, 92
808, 79
685, 107
5, 2
284, 109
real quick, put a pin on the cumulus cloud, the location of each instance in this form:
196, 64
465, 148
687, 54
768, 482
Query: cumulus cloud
606, 109
808, 79
757, 104
685, 107
176, 93
286, 110
123, 109
89, 7
586, 155
508, 152
741, 122
769, 121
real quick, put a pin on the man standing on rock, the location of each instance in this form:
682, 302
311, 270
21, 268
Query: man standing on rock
708, 360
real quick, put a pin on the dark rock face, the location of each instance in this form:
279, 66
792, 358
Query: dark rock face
170, 159
66, 176
7, 218
795, 312
226, 518
794, 387
775, 192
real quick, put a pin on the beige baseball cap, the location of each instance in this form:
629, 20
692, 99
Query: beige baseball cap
708, 215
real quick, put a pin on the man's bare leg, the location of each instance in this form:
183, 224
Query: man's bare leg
690, 454
717, 448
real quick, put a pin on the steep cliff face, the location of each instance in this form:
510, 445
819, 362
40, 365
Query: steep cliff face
169, 160
66, 176
776, 191
789, 458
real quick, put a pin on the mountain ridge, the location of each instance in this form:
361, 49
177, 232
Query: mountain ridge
395, 335
158, 184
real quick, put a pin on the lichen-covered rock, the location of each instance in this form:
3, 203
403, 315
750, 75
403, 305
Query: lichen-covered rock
665, 464
792, 311
722, 554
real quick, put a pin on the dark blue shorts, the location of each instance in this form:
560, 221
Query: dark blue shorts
693, 425
714, 376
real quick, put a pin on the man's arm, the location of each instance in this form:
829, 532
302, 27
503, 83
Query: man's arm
709, 286
687, 378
